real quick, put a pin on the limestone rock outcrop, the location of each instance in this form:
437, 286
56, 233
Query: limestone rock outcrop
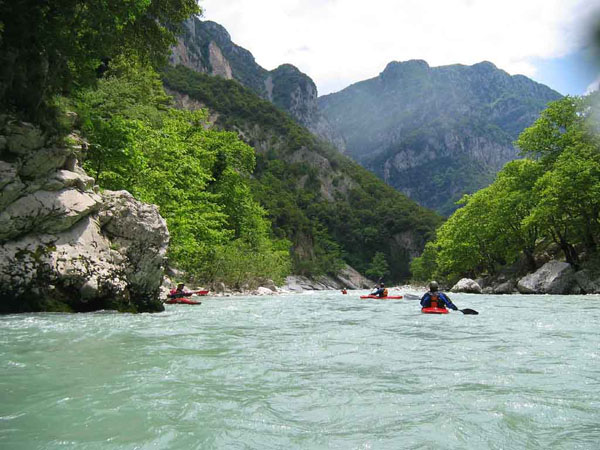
466, 285
554, 277
63, 246
347, 277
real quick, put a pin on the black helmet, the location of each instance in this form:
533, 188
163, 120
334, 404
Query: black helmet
382, 285
433, 286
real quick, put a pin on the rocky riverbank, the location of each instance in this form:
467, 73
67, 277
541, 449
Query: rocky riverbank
554, 277
347, 278
64, 246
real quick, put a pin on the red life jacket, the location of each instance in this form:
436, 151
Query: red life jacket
435, 298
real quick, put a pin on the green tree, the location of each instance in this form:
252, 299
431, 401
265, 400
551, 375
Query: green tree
553, 197
49, 47
379, 267
199, 177
566, 143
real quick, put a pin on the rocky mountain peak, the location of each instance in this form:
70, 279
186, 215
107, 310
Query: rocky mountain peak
485, 66
396, 66
456, 121
207, 47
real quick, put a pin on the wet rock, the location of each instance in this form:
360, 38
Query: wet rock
587, 282
508, 287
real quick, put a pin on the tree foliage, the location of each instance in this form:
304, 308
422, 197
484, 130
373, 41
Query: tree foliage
199, 177
379, 267
551, 197
50, 47
332, 210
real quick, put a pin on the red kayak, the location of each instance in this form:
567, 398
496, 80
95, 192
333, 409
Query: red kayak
182, 301
392, 297
434, 310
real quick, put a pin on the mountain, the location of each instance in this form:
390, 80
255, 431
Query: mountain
435, 133
206, 47
328, 206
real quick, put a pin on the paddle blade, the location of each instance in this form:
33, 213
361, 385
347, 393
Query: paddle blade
469, 311
411, 297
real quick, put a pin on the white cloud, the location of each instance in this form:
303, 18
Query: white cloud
594, 86
339, 42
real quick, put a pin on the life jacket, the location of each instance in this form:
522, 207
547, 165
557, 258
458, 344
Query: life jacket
174, 293
385, 293
436, 300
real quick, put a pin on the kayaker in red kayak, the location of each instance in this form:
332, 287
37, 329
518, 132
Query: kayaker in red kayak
180, 292
436, 299
381, 291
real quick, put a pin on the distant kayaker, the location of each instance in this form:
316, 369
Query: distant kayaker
344, 291
434, 298
380, 291
180, 292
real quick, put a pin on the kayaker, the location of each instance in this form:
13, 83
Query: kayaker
381, 291
434, 298
180, 292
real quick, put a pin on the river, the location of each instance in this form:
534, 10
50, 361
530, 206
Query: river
309, 371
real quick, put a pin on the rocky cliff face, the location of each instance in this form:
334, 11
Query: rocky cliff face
206, 47
436, 133
63, 245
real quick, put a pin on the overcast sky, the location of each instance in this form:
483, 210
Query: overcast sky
340, 42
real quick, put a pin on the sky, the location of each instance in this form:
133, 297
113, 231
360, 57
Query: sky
340, 42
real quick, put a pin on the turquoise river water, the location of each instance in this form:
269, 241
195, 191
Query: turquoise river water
309, 371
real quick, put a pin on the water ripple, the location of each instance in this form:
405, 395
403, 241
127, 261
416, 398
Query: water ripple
317, 370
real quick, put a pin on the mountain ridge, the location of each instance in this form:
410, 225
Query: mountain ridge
413, 122
322, 201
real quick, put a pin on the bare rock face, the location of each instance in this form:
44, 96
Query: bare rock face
140, 235
414, 120
348, 278
206, 47
63, 246
554, 277
466, 285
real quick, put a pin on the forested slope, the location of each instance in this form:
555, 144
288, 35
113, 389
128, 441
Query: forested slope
328, 206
